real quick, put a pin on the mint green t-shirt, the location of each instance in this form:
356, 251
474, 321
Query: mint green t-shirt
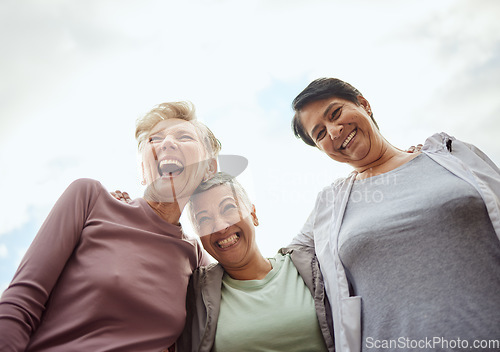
273, 314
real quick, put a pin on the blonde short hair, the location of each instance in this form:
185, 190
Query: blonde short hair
183, 110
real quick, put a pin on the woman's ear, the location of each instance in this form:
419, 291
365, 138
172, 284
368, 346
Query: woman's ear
365, 104
212, 166
211, 169
254, 216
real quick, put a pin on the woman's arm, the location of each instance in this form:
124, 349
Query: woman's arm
23, 302
185, 341
306, 236
203, 257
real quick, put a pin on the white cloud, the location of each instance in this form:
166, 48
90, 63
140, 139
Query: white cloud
4, 252
75, 76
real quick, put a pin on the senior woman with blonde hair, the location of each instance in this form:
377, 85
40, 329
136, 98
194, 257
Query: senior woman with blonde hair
408, 243
104, 275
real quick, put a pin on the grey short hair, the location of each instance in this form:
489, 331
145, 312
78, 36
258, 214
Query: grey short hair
183, 110
219, 179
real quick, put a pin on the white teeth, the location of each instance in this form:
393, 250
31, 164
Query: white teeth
170, 161
348, 139
170, 167
228, 241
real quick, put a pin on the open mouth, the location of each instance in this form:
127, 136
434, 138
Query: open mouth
170, 168
229, 241
348, 139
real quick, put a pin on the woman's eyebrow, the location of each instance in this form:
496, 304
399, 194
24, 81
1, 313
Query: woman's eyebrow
313, 132
182, 129
172, 129
225, 199
328, 108
325, 114
199, 213
154, 133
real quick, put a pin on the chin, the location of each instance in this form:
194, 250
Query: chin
230, 262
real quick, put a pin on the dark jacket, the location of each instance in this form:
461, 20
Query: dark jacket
204, 296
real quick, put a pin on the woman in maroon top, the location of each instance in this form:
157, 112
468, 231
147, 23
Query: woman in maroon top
104, 275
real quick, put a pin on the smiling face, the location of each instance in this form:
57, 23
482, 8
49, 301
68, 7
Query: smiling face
343, 130
226, 226
173, 160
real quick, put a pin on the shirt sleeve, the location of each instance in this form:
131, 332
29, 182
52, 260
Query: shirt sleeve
486, 176
185, 341
306, 235
203, 257
23, 302
483, 156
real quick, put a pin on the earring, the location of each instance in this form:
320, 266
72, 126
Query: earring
143, 182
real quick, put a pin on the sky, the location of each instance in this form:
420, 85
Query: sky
75, 75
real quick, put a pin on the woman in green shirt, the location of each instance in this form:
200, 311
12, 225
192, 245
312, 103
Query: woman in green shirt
246, 302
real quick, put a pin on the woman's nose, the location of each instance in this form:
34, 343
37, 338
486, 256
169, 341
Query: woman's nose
221, 225
335, 131
168, 143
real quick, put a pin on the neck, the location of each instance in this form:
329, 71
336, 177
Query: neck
389, 158
256, 269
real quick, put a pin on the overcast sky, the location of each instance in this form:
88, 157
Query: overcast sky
75, 75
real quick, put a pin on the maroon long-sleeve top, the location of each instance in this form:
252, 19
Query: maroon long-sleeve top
100, 275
